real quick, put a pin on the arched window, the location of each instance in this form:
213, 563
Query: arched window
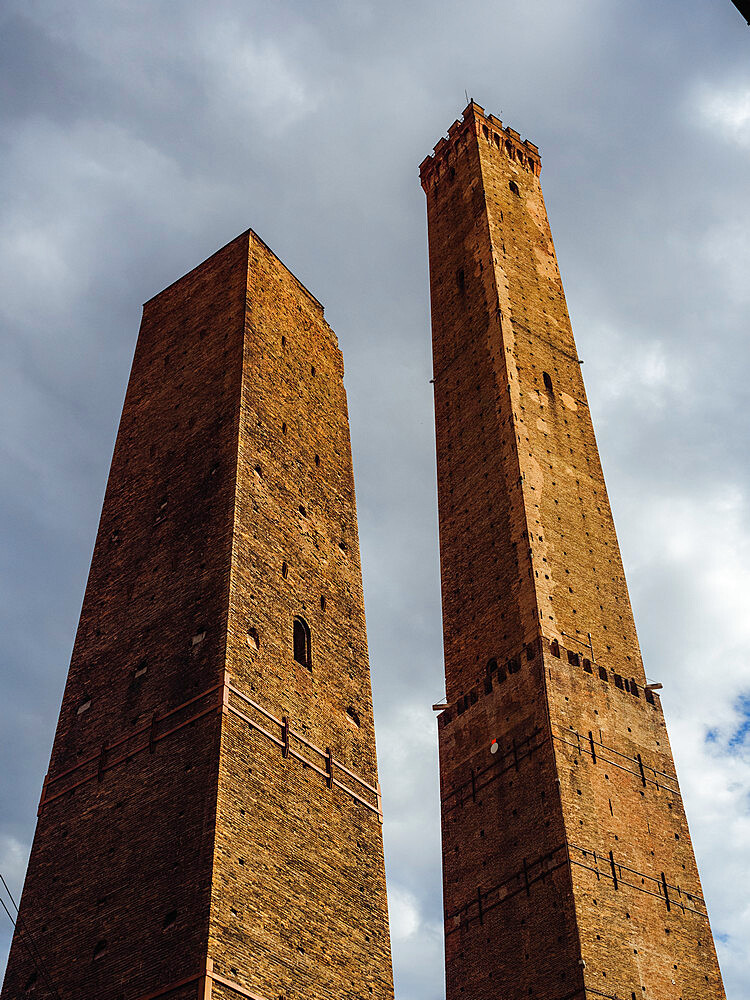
514, 187
302, 646
547, 381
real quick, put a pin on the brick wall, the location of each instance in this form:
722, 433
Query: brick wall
309, 919
185, 828
571, 872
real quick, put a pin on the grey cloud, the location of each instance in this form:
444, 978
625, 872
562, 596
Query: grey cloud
137, 137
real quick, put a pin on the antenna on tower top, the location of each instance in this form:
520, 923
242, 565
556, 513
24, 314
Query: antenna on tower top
467, 95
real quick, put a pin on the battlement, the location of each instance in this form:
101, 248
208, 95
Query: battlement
487, 128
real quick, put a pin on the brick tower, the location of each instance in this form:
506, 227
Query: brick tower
567, 863
210, 825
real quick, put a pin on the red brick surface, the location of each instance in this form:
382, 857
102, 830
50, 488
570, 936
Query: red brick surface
567, 863
177, 827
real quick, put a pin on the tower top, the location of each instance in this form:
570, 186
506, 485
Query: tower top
486, 127
249, 235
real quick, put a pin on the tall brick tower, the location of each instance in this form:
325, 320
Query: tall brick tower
210, 825
567, 863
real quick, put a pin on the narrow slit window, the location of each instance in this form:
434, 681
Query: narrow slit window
547, 381
302, 644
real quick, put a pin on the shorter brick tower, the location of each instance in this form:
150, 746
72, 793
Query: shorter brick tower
568, 871
210, 825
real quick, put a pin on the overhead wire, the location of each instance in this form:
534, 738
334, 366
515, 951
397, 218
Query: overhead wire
28, 941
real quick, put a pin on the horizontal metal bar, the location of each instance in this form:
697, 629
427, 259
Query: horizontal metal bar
308, 763
488, 906
132, 734
235, 987
307, 743
254, 704
356, 777
652, 781
78, 766
574, 732
256, 725
127, 756
171, 988
198, 715
70, 788
516, 875
357, 797
603, 873
298, 736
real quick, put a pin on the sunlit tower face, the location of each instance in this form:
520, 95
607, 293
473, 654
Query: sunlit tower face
211, 822
568, 870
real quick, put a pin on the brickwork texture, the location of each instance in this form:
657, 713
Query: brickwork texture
568, 869
211, 822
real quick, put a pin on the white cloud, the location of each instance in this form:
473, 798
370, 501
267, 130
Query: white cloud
257, 79
403, 910
417, 945
727, 110
690, 591
155, 134
636, 368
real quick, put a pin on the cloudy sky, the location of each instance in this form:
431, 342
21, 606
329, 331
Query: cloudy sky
138, 136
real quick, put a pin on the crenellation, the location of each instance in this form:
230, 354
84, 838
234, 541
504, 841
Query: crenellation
473, 122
